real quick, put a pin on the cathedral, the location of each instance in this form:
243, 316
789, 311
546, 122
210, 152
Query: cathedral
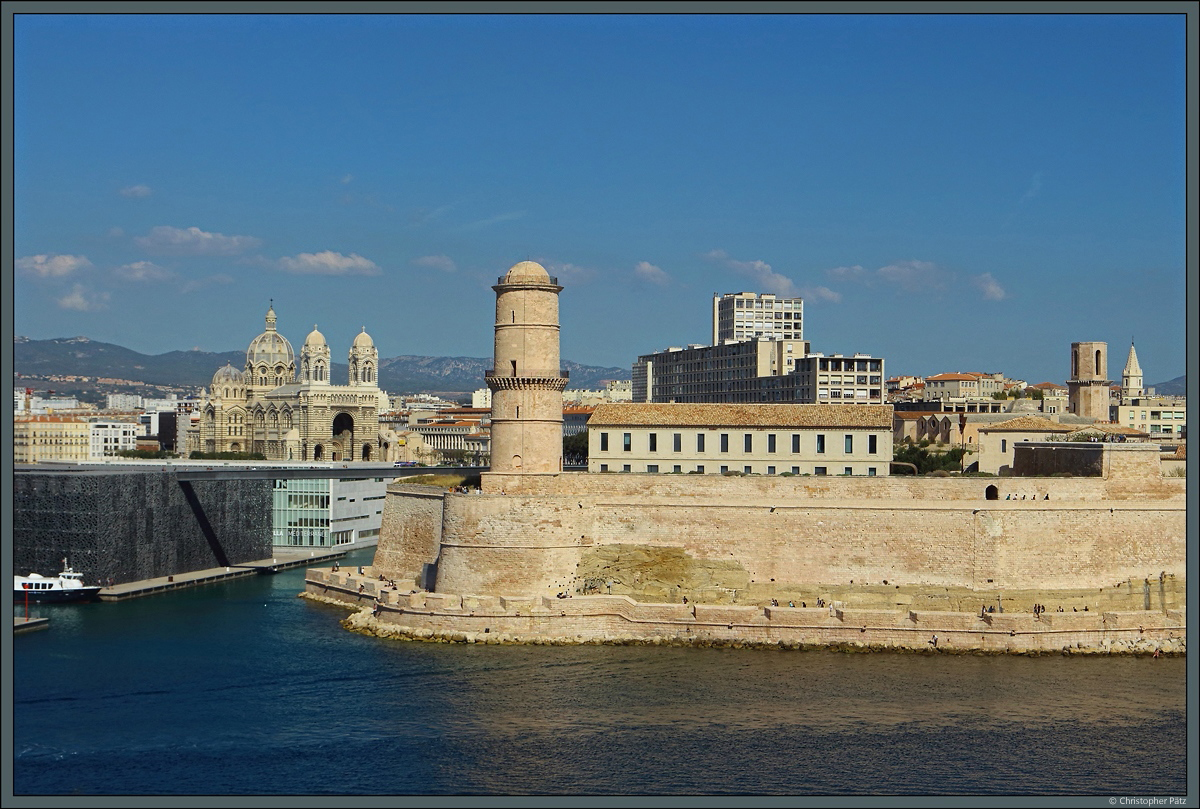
271, 409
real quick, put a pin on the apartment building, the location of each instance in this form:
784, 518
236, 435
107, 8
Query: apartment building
108, 438
748, 315
1163, 417
762, 439
51, 438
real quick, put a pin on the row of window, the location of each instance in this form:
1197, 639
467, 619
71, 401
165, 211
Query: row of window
677, 469
747, 442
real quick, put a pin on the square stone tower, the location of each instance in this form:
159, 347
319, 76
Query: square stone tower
1087, 389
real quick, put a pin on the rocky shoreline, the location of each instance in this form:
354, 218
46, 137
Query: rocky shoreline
365, 621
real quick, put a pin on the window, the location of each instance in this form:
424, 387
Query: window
724, 470
700, 442
627, 439
603, 467
849, 470
870, 471
677, 469
820, 470
872, 441
653, 467
700, 468
724, 442
849, 445
654, 442
625, 468
748, 442
748, 470
604, 442
820, 445
795, 470
677, 442
770, 442
770, 470
795, 443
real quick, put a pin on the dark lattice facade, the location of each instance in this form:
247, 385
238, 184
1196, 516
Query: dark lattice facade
134, 525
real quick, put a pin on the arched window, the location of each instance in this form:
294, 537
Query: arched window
1099, 369
991, 493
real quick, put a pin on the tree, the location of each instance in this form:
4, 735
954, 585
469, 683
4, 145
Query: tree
575, 447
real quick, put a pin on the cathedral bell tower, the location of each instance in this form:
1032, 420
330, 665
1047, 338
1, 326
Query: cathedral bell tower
525, 380
1087, 389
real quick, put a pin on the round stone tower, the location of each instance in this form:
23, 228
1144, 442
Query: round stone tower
525, 380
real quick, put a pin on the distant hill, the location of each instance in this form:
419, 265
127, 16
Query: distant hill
81, 356
1174, 387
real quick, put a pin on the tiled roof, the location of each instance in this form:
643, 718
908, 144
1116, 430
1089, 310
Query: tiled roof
742, 415
54, 419
1112, 429
1030, 424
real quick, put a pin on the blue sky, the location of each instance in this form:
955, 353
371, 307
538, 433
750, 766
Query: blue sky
951, 193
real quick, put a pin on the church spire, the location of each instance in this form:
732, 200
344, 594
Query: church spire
1131, 377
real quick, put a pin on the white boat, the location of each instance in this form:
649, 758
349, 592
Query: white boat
66, 586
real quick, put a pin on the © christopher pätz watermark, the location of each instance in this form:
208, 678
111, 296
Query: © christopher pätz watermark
1147, 801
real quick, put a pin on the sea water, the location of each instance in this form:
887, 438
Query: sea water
243, 688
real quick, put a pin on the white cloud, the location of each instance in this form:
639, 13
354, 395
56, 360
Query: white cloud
820, 294
652, 273
51, 265
568, 273
764, 277
328, 262
347, 179
913, 275
854, 273
136, 191
990, 287
83, 300
142, 271
201, 283
439, 262
194, 242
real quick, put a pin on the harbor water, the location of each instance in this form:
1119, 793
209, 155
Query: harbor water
241, 687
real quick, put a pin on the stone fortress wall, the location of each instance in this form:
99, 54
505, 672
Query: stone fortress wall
748, 539
545, 556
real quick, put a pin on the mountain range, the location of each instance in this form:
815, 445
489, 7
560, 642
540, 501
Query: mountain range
81, 356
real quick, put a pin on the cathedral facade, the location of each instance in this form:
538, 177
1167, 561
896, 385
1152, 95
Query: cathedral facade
291, 413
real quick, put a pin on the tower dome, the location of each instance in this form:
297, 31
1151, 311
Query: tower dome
526, 269
227, 375
363, 340
315, 338
270, 347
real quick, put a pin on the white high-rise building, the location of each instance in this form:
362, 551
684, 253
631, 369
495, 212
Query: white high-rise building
747, 315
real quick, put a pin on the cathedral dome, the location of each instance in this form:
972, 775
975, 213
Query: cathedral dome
227, 376
270, 347
525, 269
315, 338
364, 340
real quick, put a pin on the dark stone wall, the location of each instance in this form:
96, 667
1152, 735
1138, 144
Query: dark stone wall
1078, 458
135, 525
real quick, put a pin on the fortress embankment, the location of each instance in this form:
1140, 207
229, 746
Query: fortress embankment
540, 555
